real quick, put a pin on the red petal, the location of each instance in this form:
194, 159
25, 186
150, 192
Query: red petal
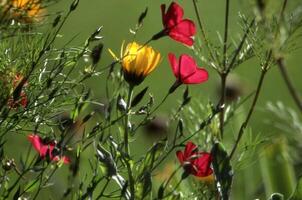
181, 38
174, 64
187, 66
201, 75
65, 159
183, 32
37, 143
186, 28
174, 14
203, 165
163, 10
189, 150
180, 157
23, 100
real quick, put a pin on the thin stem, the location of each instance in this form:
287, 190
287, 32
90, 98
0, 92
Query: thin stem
126, 143
149, 114
289, 84
226, 31
259, 86
232, 63
223, 78
251, 110
203, 33
224, 73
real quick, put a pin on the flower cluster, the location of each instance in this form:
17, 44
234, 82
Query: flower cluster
138, 61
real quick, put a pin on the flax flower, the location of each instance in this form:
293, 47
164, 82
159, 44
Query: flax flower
195, 162
47, 149
137, 61
179, 29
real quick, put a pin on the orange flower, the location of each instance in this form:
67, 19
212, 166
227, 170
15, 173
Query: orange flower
26, 10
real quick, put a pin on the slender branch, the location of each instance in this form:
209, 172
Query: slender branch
259, 86
224, 74
251, 110
240, 46
203, 33
289, 84
226, 31
223, 78
126, 143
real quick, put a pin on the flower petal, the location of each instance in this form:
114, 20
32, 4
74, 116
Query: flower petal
180, 157
174, 15
203, 164
187, 66
38, 145
174, 65
201, 75
190, 150
65, 159
186, 27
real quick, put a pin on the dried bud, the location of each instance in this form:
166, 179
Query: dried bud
8, 164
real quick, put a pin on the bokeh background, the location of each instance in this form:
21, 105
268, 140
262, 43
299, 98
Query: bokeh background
255, 179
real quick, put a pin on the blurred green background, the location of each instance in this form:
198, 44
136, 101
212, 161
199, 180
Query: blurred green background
118, 16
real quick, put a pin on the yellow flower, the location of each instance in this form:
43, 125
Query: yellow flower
137, 61
26, 10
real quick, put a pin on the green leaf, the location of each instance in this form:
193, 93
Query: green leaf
74, 5
142, 16
152, 155
297, 195
160, 193
144, 185
222, 170
17, 194
107, 162
139, 97
32, 185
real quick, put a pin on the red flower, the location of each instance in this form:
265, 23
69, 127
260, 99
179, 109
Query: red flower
22, 101
194, 162
22, 97
46, 149
177, 28
186, 70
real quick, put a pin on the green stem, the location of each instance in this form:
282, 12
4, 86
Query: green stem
224, 73
289, 83
207, 43
126, 143
251, 110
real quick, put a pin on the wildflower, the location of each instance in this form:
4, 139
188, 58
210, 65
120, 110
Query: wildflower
26, 10
194, 162
179, 29
186, 70
47, 149
138, 61
21, 99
